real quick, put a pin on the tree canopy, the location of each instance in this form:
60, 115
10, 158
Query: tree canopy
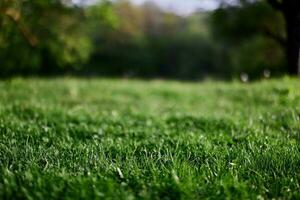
121, 39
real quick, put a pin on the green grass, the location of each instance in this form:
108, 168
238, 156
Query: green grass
118, 139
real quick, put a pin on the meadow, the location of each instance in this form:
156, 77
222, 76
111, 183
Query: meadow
72, 138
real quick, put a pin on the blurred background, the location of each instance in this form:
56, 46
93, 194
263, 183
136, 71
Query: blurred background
171, 39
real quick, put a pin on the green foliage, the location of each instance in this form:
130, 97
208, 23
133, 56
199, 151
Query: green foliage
45, 37
118, 38
148, 42
253, 36
120, 139
256, 54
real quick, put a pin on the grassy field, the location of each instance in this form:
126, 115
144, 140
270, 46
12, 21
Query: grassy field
71, 138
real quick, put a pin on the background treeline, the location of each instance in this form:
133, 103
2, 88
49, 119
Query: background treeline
56, 37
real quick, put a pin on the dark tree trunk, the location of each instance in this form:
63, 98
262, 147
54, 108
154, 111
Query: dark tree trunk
291, 12
292, 18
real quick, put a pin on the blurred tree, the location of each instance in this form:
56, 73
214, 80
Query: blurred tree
291, 12
119, 43
41, 37
118, 38
250, 38
12, 10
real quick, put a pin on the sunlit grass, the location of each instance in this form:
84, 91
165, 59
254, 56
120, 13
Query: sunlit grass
120, 139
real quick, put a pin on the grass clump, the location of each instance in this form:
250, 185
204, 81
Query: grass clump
119, 139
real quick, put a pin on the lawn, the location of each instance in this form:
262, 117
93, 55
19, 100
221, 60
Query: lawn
69, 138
